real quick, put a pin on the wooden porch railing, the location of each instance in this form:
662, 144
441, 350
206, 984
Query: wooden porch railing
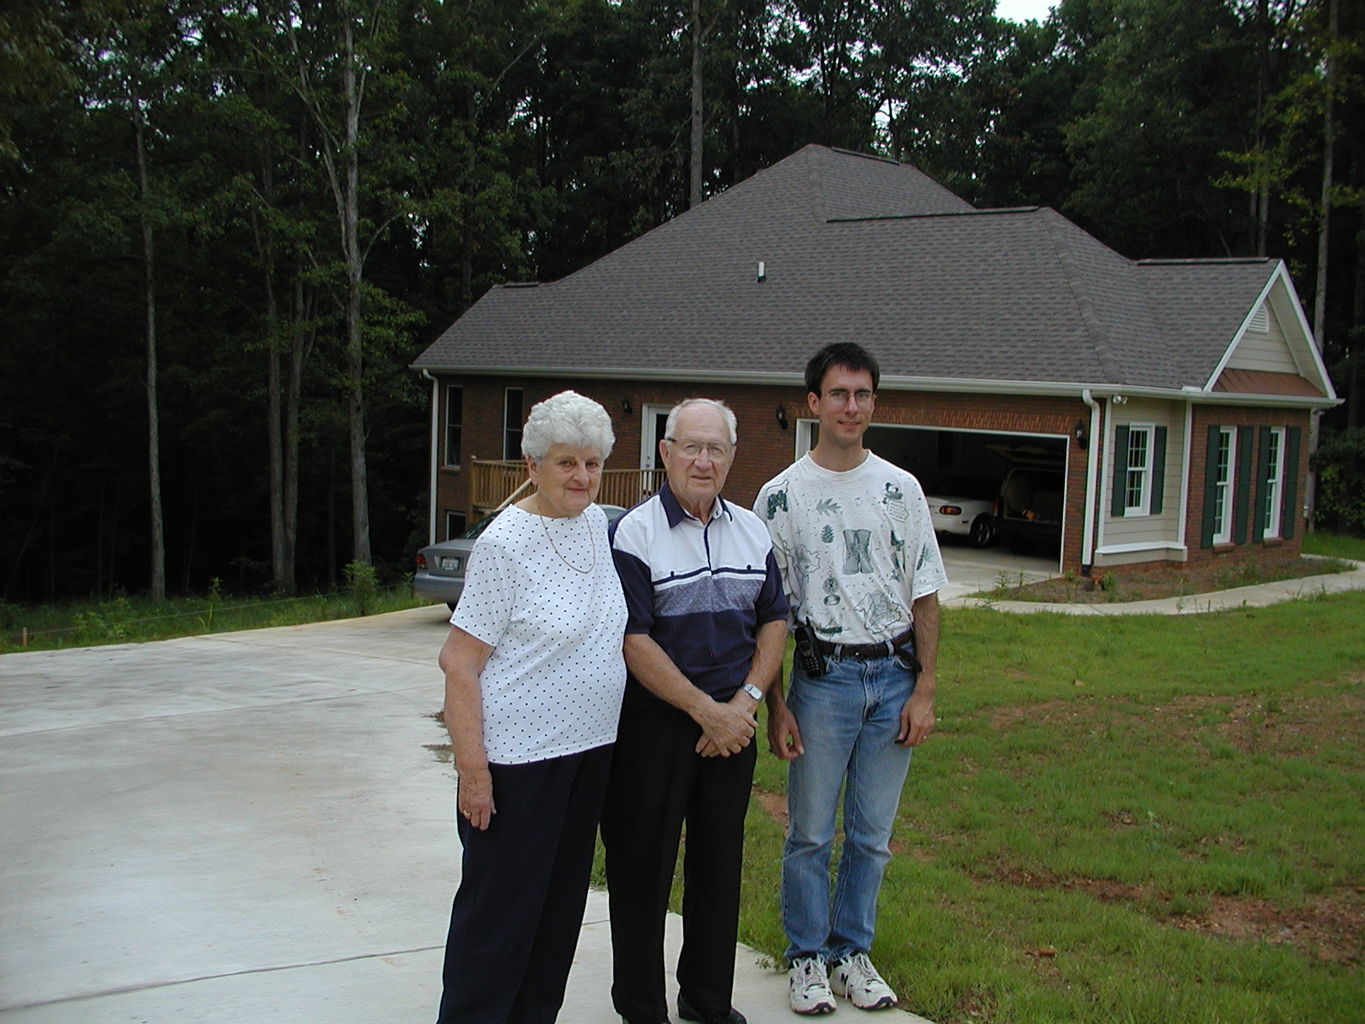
493, 483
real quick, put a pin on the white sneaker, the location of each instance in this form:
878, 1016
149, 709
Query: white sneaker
856, 978
809, 985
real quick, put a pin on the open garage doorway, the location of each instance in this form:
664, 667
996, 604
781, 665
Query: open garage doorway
1013, 485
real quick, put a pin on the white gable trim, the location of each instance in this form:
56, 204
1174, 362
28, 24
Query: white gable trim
1302, 347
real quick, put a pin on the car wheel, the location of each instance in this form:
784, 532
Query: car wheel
983, 531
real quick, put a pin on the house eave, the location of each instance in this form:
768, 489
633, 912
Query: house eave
894, 382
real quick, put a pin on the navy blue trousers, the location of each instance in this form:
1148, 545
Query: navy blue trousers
517, 913
658, 785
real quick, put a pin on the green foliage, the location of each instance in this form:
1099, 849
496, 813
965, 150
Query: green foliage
1340, 465
1101, 789
363, 582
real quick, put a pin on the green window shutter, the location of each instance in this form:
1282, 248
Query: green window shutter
1262, 518
1289, 507
1241, 499
1210, 524
1158, 468
1118, 500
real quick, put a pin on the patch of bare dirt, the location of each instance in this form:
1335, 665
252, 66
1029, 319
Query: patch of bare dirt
774, 805
1135, 585
1328, 927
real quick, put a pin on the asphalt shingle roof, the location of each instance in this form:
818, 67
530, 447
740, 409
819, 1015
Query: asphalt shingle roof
864, 249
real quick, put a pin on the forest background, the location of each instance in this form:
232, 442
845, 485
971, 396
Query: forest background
226, 228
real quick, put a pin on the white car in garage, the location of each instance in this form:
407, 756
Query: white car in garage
965, 506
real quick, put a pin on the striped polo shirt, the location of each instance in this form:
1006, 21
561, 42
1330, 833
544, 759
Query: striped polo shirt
700, 590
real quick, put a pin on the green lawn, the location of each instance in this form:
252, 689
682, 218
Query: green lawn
137, 619
1141, 818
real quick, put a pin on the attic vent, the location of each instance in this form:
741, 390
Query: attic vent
1260, 321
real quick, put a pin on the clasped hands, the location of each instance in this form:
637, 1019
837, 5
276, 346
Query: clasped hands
726, 727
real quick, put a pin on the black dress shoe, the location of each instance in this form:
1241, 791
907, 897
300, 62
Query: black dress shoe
689, 1012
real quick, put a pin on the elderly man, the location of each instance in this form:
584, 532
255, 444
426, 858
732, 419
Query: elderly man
706, 628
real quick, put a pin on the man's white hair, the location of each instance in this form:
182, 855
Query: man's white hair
567, 418
671, 427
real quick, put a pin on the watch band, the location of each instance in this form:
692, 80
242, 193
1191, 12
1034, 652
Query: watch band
753, 691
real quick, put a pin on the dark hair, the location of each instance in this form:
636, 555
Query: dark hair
847, 354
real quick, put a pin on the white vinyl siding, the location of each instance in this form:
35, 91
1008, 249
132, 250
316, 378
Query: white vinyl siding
1265, 349
1149, 529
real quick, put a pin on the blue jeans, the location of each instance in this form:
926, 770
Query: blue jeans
848, 719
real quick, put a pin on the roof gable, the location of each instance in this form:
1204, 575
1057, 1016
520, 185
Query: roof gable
1273, 340
859, 248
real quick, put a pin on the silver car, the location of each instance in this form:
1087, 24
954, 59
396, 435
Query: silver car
441, 567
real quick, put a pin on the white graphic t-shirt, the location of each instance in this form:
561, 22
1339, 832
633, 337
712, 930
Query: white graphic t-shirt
856, 548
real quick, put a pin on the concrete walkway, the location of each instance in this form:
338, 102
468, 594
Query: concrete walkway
252, 827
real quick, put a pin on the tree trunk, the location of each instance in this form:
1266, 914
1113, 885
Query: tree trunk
694, 178
355, 339
300, 343
1325, 201
1260, 196
274, 441
1355, 339
1324, 220
158, 567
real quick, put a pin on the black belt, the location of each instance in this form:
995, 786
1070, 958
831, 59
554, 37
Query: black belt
865, 652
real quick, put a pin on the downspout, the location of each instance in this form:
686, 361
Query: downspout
435, 453
1185, 472
1092, 471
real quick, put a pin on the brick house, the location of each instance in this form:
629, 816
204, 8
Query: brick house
1174, 397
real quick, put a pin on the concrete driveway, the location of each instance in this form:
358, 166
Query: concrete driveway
246, 827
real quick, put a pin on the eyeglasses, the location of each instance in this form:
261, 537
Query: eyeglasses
840, 396
718, 450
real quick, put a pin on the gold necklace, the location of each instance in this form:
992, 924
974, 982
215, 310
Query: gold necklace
548, 536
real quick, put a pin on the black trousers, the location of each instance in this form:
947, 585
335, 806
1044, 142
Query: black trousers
658, 783
516, 916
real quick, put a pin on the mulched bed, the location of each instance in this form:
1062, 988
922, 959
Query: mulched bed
1134, 585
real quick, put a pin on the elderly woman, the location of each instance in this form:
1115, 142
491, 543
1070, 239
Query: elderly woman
534, 676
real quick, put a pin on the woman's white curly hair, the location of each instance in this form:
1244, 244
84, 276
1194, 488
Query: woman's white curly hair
567, 418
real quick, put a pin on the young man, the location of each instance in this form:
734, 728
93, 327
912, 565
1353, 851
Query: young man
705, 634
861, 567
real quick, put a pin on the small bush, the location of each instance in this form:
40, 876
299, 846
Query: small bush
363, 582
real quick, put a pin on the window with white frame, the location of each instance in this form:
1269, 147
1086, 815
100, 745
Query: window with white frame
454, 423
1273, 482
455, 524
1137, 494
1224, 468
511, 423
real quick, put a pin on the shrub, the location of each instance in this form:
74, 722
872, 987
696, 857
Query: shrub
363, 582
1340, 465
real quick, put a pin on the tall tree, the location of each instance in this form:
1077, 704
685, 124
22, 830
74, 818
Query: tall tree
333, 48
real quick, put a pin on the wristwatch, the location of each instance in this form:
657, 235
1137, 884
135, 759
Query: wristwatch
753, 691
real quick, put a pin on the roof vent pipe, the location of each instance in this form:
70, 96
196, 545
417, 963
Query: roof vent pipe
762, 271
